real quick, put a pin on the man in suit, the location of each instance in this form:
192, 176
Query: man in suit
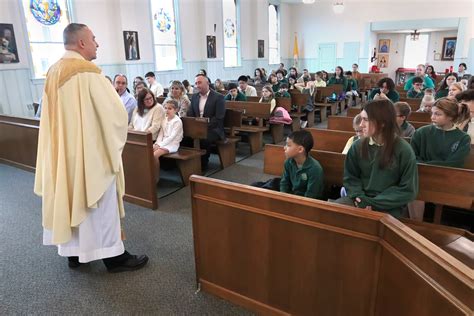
210, 104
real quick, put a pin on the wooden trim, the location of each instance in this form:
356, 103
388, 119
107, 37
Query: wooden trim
18, 165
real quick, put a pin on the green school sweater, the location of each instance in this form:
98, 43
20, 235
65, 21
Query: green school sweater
305, 181
352, 84
342, 81
435, 146
240, 97
276, 87
429, 83
392, 95
412, 94
386, 189
282, 95
442, 93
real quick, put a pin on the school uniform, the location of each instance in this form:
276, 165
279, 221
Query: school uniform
392, 95
442, 93
349, 143
352, 85
413, 94
239, 97
435, 146
276, 87
319, 84
306, 180
388, 189
282, 95
407, 130
428, 83
342, 80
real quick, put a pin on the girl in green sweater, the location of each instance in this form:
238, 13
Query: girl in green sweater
448, 80
440, 144
338, 78
380, 170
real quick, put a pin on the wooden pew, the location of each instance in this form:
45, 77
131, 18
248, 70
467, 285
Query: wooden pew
255, 133
300, 100
253, 99
414, 116
19, 145
329, 140
433, 180
321, 102
280, 254
344, 123
413, 103
286, 103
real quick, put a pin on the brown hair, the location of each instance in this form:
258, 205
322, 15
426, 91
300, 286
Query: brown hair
449, 107
269, 88
141, 100
382, 113
404, 108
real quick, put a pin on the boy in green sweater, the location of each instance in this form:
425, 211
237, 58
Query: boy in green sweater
283, 92
302, 174
380, 171
416, 91
234, 94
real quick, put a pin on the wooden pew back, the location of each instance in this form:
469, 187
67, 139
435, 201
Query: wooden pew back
413, 103
344, 123
414, 116
253, 99
329, 140
369, 81
284, 103
323, 92
276, 253
251, 109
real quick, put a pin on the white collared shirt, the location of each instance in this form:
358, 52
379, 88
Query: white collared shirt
202, 103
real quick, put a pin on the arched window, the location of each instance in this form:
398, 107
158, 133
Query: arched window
273, 34
231, 29
45, 22
165, 20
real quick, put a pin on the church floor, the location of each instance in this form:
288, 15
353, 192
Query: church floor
35, 280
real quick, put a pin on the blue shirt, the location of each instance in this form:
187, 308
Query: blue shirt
129, 102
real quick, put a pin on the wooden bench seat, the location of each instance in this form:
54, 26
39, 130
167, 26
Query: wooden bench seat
281, 254
188, 161
438, 185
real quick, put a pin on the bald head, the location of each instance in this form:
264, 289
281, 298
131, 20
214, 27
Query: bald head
79, 38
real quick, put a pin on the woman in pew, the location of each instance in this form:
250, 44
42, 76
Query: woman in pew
431, 72
448, 80
148, 115
338, 78
273, 80
439, 144
178, 93
268, 96
259, 77
380, 171
170, 134
386, 90
357, 129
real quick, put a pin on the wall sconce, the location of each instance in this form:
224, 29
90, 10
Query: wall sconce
415, 36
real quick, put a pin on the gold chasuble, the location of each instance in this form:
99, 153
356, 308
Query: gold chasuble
83, 130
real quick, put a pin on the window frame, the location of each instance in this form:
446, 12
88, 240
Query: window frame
237, 29
428, 35
72, 18
179, 54
278, 17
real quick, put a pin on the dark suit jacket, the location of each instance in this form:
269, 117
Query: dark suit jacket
214, 110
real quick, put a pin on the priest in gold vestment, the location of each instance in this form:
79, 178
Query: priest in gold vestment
79, 172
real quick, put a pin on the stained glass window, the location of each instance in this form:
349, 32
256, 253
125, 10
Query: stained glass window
45, 22
231, 33
273, 35
165, 34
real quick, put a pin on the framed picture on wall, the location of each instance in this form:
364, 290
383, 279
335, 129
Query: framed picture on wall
449, 47
211, 46
384, 46
261, 48
8, 49
130, 41
383, 61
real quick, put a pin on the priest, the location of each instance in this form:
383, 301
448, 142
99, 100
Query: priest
79, 172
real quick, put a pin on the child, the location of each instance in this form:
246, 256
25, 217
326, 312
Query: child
302, 174
455, 89
385, 90
283, 92
281, 77
219, 86
426, 104
402, 111
416, 91
318, 80
273, 80
291, 82
380, 171
358, 130
170, 134
466, 99
439, 144
268, 96
234, 94
448, 80
187, 86
351, 92
429, 92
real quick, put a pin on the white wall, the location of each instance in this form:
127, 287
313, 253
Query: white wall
317, 23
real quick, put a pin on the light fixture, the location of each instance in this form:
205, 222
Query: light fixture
338, 7
308, 1
415, 35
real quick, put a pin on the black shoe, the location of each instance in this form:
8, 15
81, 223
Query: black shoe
73, 262
125, 262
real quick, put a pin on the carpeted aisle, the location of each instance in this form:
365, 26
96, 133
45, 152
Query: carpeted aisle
35, 280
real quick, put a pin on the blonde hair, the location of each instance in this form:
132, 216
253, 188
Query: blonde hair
459, 85
427, 99
404, 108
